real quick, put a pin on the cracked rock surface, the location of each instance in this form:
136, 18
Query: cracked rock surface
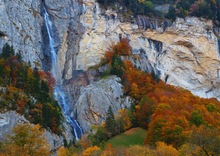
95, 99
9, 119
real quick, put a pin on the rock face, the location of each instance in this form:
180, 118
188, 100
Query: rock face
190, 56
21, 26
95, 99
9, 119
186, 53
67, 31
105, 27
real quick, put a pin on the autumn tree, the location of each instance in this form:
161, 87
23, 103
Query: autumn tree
194, 9
84, 141
62, 151
207, 138
26, 140
4, 72
138, 150
113, 56
28, 91
144, 110
125, 119
188, 149
94, 150
69, 151
163, 149
100, 137
110, 123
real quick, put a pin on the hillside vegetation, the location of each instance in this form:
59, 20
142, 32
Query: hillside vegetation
201, 8
28, 91
25, 140
131, 137
169, 114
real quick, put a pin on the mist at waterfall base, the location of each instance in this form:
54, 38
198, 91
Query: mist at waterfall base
58, 92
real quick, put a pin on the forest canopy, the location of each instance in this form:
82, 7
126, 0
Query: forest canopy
209, 9
170, 114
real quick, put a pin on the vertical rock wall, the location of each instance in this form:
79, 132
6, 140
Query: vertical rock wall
68, 31
20, 25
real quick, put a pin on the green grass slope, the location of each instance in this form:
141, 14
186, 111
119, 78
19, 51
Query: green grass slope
134, 136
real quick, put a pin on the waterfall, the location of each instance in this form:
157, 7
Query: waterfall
55, 70
219, 46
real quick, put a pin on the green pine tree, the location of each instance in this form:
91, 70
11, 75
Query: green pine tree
110, 122
7, 51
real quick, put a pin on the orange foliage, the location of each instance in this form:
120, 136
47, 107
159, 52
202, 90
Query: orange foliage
137, 83
164, 109
109, 151
108, 56
163, 149
124, 115
54, 124
47, 76
41, 74
50, 80
84, 141
94, 150
62, 151
21, 103
122, 48
170, 121
37, 111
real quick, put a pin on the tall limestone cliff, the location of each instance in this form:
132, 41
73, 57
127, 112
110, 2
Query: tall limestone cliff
21, 26
183, 53
186, 53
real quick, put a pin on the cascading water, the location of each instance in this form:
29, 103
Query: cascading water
55, 70
219, 46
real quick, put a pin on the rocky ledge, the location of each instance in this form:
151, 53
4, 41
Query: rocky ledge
95, 99
9, 119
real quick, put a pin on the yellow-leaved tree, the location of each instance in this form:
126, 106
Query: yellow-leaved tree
26, 140
163, 149
94, 150
126, 121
